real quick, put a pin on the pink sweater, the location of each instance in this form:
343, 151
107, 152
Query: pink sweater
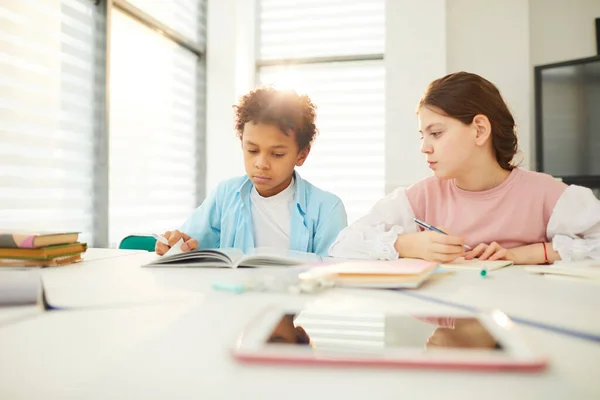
515, 213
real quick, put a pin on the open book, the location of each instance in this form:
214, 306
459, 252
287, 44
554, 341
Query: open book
234, 258
588, 269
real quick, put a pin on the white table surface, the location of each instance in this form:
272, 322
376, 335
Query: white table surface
131, 332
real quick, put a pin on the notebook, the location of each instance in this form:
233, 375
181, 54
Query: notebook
234, 258
21, 295
30, 240
20, 288
402, 273
44, 253
51, 262
476, 264
581, 269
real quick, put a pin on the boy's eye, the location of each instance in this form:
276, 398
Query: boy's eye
252, 151
436, 134
278, 155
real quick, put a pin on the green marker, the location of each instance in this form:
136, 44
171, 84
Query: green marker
483, 272
228, 287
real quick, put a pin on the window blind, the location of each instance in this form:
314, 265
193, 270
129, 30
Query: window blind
155, 114
48, 112
331, 331
320, 28
348, 155
184, 16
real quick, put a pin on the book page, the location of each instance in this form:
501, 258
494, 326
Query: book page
476, 264
235, 255
267, 256
581, 269
198, 258
175, 249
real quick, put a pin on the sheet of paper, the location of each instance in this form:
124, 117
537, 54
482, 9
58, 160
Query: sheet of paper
176, 249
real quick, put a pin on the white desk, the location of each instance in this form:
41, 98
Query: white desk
178, 346
106, 279
516, 292
102, 254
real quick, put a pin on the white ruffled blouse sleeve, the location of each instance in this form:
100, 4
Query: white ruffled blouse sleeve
574, 226
373, 236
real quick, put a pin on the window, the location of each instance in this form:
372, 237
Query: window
332, 50
60, 167
155, 116
49, 107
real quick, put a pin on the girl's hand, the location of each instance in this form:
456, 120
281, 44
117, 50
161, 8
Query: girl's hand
430, 246
492, 252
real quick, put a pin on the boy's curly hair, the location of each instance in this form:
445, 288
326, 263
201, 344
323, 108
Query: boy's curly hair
284, 108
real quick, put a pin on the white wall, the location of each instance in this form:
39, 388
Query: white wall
499, 39
562, 30
502, 40
415, 54
230, 59
428, 39
491, 39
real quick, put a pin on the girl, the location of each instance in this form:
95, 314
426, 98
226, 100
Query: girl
488, 204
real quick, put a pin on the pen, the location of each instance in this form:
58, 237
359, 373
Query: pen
160, 238
433, 228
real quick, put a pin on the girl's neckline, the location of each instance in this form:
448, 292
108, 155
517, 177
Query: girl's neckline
490, 192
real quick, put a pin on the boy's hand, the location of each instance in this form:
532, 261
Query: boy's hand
173, 237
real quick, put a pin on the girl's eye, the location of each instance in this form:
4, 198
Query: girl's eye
252, 151
436, 134
278, 155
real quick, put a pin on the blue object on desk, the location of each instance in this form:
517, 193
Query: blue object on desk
534, 324
229, 287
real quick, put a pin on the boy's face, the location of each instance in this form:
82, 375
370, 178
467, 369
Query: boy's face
270, 157
287, 332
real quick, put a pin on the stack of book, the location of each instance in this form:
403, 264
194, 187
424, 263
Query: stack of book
40, 249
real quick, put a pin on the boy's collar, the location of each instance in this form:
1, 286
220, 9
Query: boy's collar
299, 190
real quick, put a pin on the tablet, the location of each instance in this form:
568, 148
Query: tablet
469, 341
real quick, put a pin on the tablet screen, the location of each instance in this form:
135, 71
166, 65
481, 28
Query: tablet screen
334, 332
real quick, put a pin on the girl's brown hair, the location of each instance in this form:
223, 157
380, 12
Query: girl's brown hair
462, 96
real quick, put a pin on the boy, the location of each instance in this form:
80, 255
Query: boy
271, 206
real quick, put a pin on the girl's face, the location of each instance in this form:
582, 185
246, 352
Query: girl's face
450, 145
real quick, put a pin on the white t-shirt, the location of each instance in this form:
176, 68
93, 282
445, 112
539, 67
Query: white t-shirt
271, 218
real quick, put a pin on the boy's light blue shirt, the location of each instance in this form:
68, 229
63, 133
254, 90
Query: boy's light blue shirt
225, 220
